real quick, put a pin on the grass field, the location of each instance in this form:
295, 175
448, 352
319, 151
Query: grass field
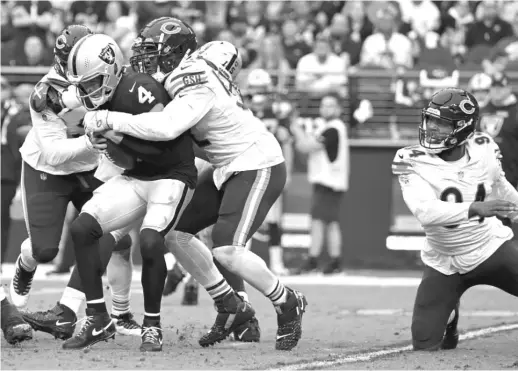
359, 320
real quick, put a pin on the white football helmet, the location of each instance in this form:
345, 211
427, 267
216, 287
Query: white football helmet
95, 66
222, 54
479, 86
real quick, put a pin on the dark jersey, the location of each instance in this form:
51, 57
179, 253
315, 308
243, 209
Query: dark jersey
276, 115
174, 159
501, 123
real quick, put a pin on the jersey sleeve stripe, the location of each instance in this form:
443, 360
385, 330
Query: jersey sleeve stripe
188, 86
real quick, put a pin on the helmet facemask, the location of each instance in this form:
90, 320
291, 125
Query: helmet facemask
94, 90
155, 59
438, 134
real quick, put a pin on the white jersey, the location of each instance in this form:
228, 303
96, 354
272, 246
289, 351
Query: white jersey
205, 101
439, 194
47, 147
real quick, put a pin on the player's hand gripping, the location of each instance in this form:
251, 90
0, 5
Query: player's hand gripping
96, 121
499, 208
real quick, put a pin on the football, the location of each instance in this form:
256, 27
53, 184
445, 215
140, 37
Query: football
115, 153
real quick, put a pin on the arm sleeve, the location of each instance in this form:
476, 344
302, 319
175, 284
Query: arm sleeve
426, 207
177, 117
502, 188
54, 144
330, 139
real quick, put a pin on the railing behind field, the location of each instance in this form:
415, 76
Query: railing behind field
391, 122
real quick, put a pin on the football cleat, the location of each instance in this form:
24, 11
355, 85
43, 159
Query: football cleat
15, 329
451, 335
126, 325
151, 336
248, 332
289, 320
174, 277
190, 294
310, 265
332, 267
21, 285
232, 313
96, 327
59, 321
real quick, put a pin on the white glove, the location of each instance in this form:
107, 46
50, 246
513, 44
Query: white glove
96, 121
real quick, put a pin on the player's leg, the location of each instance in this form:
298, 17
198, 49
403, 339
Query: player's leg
166, 201
318, 228
44, 199
65, 258
8, 193
329, 212
437, 298
15, 329
274, 223
499, 270
197, 259
247, 197
60, 321
119, 273
114, 205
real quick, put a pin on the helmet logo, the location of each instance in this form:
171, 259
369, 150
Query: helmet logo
61, 42
170, 28
468, 110
107, 55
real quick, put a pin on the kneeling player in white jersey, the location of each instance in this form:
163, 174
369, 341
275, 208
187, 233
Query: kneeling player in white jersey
58, 169
249, 172
454, 185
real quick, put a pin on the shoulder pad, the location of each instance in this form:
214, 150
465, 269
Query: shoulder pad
38, 99
188, 74
404, 159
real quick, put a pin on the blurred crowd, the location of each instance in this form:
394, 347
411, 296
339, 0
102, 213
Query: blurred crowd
287, 35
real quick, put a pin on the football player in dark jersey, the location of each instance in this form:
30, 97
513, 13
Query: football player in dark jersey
499, 119
57, 170
157, 183
276, 113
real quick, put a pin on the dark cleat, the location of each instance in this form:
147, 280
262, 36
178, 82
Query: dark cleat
59, 321
289, 320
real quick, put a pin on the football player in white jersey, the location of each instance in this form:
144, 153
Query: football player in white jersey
454, 185
249, 170
56, 170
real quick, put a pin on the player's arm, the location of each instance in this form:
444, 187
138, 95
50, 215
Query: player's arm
502, 188
181, 114
420, 198
50, 129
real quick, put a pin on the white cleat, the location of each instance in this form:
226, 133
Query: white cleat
126, 325
20, 285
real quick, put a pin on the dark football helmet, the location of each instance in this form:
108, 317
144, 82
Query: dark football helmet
64, 44
161, 45
449, 120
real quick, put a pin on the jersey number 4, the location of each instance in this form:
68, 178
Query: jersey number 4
145, 95
479, 196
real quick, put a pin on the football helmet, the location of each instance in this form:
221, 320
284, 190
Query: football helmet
161, 46
222, 54
448, 120
479, 86
64, 44
95, 66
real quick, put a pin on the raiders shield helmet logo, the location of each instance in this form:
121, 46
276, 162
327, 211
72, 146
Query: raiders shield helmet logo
107, 55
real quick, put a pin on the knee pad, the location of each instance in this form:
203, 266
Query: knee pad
85, 230
425, 337
226, 255
274, 230
123, 244
151, 244
39, 252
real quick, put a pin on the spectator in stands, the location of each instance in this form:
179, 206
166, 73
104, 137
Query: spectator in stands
359, 24
87, 13
30, 18
326, 144
386, 48
36, 54
271, 58
422, 16
490, 29
341, 42
294, 45
319, 73
189, 11
16, 123
461, 13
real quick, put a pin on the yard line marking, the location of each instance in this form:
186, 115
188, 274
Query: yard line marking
403, 312
369, 356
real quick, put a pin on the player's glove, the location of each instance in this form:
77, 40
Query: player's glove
96, 121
